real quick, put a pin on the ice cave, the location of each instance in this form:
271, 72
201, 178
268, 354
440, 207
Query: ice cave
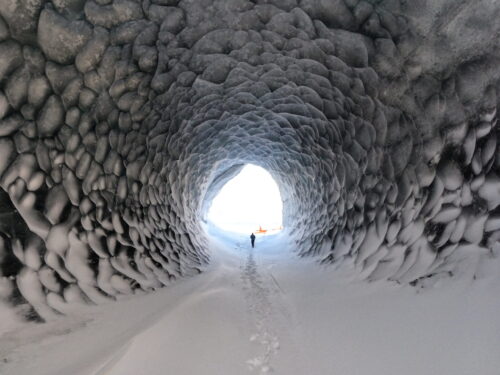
122, 120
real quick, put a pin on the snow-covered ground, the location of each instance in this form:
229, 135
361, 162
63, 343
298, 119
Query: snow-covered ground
265, 310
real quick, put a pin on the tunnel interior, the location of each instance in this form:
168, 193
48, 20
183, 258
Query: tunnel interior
121, 120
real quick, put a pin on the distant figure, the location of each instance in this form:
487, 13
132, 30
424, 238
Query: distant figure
252, 238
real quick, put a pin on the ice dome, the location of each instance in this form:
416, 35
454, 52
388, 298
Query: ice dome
120, 120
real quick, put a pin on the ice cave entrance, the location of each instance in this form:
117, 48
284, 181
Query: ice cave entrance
249, 202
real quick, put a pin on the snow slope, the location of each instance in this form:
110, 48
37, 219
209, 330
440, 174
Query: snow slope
266, 310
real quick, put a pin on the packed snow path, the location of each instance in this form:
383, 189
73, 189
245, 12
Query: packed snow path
264, 310
244, 315
257, 294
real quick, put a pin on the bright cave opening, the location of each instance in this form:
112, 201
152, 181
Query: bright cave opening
249, 202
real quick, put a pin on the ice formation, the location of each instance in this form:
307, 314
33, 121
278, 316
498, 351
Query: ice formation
120, 119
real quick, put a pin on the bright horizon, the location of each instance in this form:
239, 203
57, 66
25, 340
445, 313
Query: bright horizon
249, 200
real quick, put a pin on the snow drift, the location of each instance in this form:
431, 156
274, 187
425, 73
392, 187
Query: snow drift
120, 120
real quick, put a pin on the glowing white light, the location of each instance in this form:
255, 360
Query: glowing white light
248, 201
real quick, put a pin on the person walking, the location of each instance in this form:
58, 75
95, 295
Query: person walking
252, 239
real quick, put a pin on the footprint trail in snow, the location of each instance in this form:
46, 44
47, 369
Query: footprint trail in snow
262, 314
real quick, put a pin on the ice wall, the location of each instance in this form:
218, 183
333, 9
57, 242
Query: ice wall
120, 119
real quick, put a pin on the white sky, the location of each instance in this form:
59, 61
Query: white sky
249, 200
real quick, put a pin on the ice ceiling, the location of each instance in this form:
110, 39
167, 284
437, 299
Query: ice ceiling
120, 120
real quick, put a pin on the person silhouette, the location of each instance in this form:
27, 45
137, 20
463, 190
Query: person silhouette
252, 239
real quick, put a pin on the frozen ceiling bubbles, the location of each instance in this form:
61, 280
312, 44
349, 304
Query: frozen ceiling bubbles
120, 119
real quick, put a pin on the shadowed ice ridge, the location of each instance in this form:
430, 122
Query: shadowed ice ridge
121, 120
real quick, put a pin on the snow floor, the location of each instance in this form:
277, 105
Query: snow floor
267, 311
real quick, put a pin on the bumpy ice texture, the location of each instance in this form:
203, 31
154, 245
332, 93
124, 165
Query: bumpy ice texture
121, 119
